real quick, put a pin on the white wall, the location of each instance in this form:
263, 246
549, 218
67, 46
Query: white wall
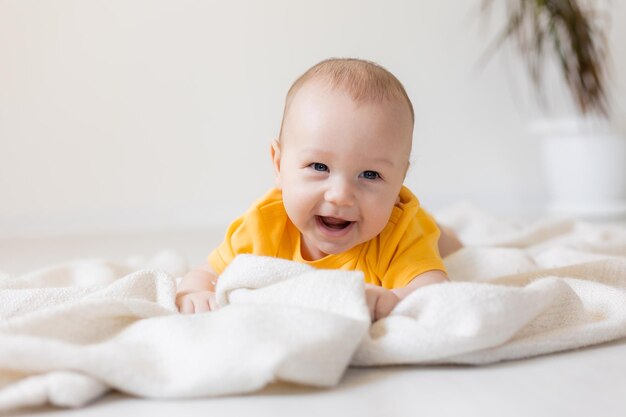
152, 114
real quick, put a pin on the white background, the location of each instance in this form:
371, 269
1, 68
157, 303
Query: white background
132, 115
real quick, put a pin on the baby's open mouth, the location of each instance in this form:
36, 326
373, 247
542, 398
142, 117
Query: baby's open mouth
333, 222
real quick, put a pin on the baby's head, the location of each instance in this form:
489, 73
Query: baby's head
342, 153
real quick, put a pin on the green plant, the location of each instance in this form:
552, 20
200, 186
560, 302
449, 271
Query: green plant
574, 32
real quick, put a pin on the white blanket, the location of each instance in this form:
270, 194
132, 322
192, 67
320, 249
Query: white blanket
72, 332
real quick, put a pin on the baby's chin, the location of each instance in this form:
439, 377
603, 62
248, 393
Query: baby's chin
328, 248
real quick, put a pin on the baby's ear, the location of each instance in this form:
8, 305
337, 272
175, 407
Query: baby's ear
275, 154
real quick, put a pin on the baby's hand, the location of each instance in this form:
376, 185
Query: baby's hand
196, 302
380, 301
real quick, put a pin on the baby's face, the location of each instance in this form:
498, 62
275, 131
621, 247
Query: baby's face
340, 165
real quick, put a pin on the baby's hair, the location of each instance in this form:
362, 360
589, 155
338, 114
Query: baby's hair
363, 80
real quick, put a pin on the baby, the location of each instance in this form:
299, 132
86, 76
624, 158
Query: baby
339, 203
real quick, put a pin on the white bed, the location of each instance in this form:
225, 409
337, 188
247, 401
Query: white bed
583, 382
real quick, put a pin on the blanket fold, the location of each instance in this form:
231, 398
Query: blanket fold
71, 332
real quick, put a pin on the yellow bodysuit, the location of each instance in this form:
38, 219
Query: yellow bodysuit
405, 248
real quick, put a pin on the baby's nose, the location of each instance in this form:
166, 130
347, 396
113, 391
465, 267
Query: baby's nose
340, 193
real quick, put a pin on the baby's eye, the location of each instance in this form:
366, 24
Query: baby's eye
370, 175
319, 166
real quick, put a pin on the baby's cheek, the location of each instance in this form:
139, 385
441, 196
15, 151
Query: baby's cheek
377, 220
373, 225
295, 207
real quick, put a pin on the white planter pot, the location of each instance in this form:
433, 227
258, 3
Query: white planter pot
585, 169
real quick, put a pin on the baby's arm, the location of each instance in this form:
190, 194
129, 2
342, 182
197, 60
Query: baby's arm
449, 241
381, 301
423, 279
196, 291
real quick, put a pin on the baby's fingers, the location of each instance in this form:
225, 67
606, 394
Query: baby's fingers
201, 305
198, 302
212, 301
185, 305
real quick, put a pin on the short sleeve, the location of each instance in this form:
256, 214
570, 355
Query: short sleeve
416, 251
257, 232
238, 240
